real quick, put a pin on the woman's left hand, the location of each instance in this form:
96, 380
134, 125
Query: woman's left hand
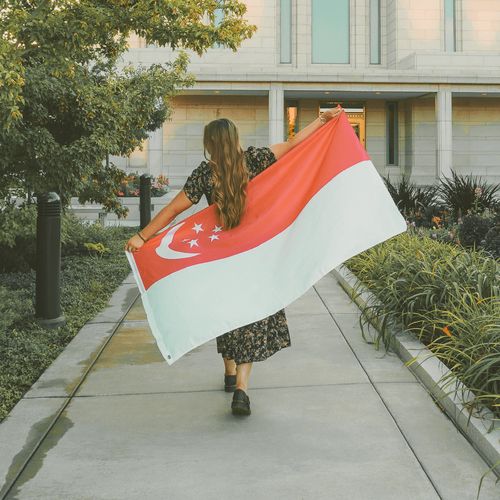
134, 243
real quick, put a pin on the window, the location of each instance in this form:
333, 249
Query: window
374, 31
330, 31
286, 31
219, 16
392, 133
449, 26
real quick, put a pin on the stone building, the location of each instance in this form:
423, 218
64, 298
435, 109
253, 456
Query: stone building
420, 80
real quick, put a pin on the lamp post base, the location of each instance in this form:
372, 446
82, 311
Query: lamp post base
52, 323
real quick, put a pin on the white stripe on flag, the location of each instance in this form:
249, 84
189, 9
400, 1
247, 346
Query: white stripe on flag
350, 214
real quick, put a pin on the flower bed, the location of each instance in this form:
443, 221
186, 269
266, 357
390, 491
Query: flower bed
130, 186
448, 297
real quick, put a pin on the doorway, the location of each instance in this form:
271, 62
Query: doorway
355, 114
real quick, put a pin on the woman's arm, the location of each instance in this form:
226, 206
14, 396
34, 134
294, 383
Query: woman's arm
166, 215
279, 149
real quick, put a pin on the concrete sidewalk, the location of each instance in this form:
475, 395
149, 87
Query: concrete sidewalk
332, 418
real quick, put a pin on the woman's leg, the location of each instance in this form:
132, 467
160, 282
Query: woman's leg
229, 366
242, 375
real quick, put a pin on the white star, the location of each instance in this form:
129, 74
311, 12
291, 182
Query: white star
216, 229
197, 228
193, 243
213, 237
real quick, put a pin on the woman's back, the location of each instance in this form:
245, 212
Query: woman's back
200, 180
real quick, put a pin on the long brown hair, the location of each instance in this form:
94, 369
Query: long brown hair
230, 175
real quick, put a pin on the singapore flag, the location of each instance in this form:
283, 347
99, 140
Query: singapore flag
318, 205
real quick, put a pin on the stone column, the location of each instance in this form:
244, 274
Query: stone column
155, 152
444, 153
276, 113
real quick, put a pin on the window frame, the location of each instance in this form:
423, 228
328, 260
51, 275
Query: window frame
450, 38
379, 31
290, 31
392, 111
349, 44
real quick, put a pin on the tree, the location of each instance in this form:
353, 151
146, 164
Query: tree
64, 103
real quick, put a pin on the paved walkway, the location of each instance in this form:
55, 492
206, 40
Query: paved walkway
331, 419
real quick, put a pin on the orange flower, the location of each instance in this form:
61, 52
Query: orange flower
446, 331
436, 220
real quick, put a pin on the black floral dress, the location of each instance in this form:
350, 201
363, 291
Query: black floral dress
261, 339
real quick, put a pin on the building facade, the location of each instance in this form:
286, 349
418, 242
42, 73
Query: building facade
419, 79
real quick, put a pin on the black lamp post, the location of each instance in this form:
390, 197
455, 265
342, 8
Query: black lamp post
145, 200
48, 261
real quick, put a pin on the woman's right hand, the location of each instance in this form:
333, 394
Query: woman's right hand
282, 148
331, 113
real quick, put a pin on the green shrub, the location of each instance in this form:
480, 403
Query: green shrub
17, 241
472, 231
492, 241
17, 223
18, 237
492, 238
75, 233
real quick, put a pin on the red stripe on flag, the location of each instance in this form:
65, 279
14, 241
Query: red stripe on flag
275, 197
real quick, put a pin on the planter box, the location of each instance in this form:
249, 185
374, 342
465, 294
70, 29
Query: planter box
483, 433
94, 211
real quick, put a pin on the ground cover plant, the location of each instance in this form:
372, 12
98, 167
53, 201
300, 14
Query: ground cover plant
93, 265
447, 296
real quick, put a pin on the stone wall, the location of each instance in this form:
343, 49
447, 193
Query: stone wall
183, 135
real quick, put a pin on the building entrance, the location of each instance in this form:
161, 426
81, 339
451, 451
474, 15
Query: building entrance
355, 114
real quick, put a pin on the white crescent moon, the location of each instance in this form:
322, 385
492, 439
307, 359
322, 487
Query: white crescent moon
164, 250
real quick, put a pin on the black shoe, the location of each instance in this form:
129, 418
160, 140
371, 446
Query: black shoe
241, 403
229, 383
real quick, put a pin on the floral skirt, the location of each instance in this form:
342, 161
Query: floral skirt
255, 341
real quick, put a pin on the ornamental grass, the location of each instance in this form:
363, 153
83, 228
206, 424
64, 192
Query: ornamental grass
448, 297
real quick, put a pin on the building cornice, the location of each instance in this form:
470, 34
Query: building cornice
366, 78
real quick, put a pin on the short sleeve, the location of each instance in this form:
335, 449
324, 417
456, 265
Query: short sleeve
263, 157
193, 187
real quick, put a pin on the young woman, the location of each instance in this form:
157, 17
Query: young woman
223, 179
